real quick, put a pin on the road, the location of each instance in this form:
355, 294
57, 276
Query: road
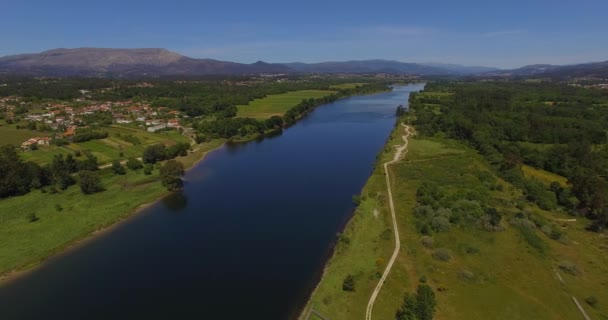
399, 155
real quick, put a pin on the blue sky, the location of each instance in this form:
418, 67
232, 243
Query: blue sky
493, 33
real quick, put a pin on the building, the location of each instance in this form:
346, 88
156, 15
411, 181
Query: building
157, 127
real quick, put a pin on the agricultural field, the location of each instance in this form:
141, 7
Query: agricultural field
278, 104
346, 85
513, 273
10, 135
115, 147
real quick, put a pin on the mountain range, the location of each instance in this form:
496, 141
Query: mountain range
154, 62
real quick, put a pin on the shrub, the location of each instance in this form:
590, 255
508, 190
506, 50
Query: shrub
118, 168
344, 239
134, 164
148, 169
592, 301
442, 254
440, 224
568, 267
427, 241
89, 182
466, 275
356, 199
58, 207
349, 283
32, 217
386, 234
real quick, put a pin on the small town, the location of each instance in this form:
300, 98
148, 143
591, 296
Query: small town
62, 120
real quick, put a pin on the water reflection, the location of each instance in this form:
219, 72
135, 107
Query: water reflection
176, 201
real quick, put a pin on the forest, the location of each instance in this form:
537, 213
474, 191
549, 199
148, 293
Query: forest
554, 127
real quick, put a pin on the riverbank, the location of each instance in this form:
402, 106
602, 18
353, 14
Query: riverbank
459, 262
61, 226
363, 248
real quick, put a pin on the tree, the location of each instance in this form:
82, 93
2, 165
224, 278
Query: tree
118, 168
154, 153
425, 302
134, 164
171, 173
400, 111
408, 308
349, 283
148, 167
89, 182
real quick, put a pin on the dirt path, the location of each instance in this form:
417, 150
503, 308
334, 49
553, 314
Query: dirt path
107, 165
399, 154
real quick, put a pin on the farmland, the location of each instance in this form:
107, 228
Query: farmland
278, 104
115, 147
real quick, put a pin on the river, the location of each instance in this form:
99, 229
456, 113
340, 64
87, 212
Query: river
247, 238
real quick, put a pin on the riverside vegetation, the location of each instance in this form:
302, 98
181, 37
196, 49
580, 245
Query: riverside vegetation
500, 205
51, 195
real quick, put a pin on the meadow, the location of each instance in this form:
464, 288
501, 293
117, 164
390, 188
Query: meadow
114, 147
509, 274
278, 104
10, 135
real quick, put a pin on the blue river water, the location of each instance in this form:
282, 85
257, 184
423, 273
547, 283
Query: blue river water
247, 238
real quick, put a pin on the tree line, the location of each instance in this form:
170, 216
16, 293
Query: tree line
554, 127
241, 127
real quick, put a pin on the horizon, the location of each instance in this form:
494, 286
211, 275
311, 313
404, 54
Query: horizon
471, 33
429, 63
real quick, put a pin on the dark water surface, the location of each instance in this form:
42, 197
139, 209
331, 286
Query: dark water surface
246, 239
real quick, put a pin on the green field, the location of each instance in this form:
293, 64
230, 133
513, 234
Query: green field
24, 244
109, 149
543, 176
491, 275
346, 85
10, 135
278, 104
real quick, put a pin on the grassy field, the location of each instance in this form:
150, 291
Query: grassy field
109, 149
10, 135
491, 275
278, 104
543, 176
24, 244
346, 85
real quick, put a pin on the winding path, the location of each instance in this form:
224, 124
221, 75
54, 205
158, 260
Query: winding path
399, 155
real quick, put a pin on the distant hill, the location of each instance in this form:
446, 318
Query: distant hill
366, 66
386, 66
125, 62
594, 70
460, 69
101, 62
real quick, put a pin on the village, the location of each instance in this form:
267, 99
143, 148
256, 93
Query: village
64, 120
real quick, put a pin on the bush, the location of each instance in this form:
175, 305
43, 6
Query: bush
118, 168
32, 217
89, 182
442, 254
134, 164
592, 301
568, 267
466, 275
349, 283
427, 241
58, 207
356, 199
